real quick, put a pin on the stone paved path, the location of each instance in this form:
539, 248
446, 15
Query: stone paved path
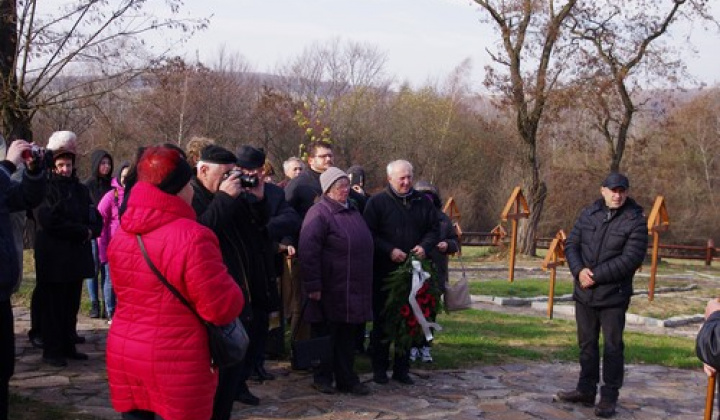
509, 392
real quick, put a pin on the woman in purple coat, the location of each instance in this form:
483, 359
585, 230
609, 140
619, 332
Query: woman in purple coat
336, 259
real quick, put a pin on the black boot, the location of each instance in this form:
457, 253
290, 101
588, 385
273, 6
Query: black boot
95, 310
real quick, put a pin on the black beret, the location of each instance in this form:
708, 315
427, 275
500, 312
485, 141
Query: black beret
216, 154
249, 157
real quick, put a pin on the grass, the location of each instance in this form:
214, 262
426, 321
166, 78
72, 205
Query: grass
476, 337
522, 288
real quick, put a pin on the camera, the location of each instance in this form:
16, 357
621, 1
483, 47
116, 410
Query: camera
249, 181
246, 180
35, 152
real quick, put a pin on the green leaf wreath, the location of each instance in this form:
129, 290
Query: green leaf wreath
401, 325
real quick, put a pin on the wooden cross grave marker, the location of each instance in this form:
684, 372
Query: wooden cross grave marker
554, 258
657, 222
516, 208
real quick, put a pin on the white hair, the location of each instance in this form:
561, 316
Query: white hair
290, 160
397, 164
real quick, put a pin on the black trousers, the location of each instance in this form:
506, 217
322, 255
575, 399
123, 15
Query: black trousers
379, 340
341, 368
140, 415
7, 355
59, 304
35, 315
257, 329
590, 321
226, 390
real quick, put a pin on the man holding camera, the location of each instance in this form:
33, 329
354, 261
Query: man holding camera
231, 208
14, 196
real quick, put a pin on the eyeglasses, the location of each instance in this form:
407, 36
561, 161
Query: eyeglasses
325, 156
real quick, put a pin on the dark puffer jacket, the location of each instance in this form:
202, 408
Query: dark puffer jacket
707, 343
613, 249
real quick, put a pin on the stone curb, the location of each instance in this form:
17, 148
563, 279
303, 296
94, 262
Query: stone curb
540, 303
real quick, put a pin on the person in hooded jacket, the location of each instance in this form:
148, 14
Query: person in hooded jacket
98, 183
158, 358
604, 249
14, 196
109, 208
68, 221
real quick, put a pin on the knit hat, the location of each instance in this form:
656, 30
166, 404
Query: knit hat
328, 178
62, 143
616, 180
217, 154
249, 157
165, 168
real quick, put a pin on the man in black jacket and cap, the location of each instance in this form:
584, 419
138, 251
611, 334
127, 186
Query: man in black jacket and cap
606, 246
230, 210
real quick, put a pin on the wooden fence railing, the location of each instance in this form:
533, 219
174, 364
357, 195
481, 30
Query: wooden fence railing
706, 253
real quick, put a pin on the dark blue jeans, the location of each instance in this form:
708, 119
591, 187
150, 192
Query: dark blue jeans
590, 321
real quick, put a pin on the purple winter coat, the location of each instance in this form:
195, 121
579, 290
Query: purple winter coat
336, 258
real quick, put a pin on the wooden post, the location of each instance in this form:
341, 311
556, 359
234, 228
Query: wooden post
657, 222
554, 258
519, 207
513, 244
710, 397
709, 252
653, 266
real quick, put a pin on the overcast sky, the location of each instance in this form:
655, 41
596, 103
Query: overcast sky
423, 39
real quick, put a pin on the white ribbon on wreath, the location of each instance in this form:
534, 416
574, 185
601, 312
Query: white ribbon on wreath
418, 279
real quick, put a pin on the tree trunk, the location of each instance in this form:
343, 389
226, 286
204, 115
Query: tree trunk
15, 116
535, 197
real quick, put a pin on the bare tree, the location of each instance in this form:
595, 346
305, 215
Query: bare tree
529, 32
92, 45
620, 49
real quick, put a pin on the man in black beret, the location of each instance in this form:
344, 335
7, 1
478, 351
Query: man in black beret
269, 239
231, 211
604, 249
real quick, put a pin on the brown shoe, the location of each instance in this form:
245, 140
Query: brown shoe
575, 397
605, 408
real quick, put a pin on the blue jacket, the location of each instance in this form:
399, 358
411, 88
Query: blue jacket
613, 249
14, 196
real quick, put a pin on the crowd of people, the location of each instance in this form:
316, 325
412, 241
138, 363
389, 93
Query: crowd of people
314, 246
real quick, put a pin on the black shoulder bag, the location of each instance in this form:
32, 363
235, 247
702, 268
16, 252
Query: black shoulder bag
228, 343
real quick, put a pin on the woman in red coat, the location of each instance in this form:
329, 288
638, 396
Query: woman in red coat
158, 360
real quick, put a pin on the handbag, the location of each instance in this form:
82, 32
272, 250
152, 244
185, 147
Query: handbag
457, 294
228, 343
310, 353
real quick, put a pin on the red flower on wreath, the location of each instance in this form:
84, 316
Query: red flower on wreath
405, 311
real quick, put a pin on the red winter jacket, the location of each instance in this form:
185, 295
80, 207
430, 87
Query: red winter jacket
157, 350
